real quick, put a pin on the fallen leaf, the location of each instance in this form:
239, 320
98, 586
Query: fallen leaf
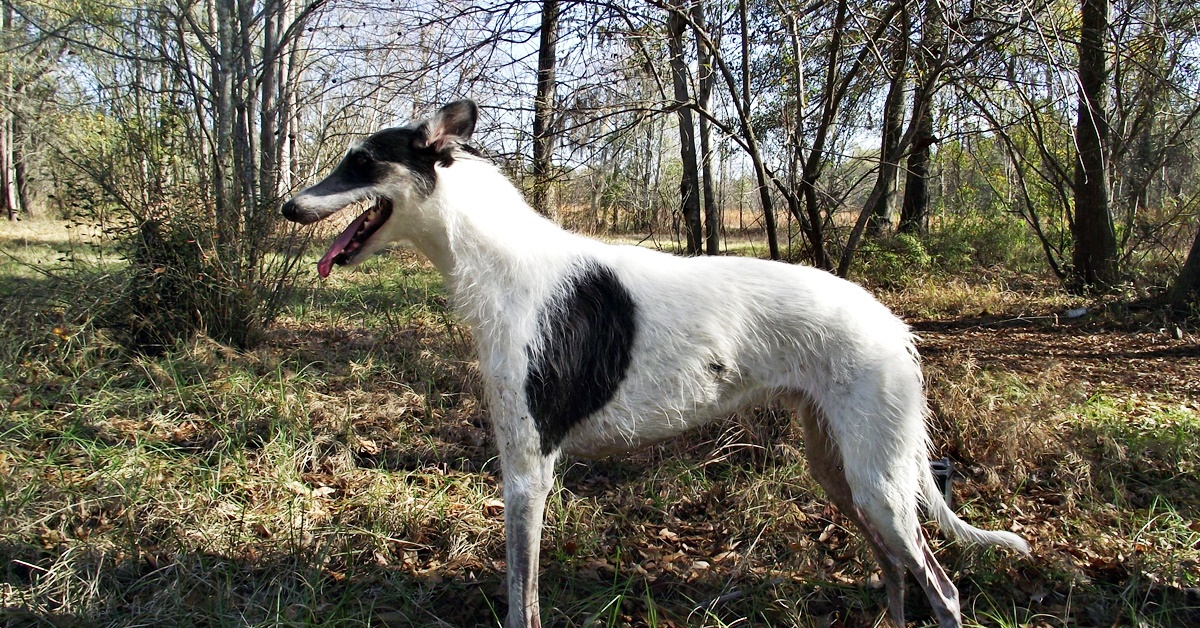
493, 507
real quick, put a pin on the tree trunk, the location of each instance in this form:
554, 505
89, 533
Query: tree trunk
8, 139
20, 175
245, 100
1185, 292
893, 127
1095, 254
689, 187
269, 141
812, 227
712, 214
760, 169
543, 108
7, 180
914, 212
289, 100
222, 72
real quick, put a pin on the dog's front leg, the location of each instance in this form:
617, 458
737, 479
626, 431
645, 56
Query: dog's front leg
528, 477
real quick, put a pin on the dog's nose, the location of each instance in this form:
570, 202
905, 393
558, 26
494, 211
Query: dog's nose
289, 210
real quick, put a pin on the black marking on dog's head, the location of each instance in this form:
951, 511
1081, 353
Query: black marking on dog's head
418, 149
403, 146
587, 334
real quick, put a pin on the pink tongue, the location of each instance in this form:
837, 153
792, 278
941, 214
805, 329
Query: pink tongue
339, 245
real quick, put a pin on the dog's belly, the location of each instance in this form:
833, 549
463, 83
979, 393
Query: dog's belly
598, 438
626, 425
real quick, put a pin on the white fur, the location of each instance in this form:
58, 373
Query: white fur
778, 327
779, 331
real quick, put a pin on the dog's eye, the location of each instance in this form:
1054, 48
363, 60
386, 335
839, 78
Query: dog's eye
361, 160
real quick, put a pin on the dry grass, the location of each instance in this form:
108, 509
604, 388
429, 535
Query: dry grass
985, 295
343, 474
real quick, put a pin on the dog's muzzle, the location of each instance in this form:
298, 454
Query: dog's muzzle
290, 212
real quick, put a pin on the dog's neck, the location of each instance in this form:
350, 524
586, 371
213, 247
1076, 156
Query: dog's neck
491, 247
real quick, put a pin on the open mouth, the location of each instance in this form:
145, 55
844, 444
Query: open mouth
347, 245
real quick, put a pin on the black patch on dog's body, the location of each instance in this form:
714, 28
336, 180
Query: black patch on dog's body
587, 343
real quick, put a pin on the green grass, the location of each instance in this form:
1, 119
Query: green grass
343, 474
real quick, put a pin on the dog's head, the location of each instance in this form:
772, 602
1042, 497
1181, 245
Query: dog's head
395, 170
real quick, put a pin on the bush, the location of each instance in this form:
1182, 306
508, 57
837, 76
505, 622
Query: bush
894, 261
177, 284
954, 245
963, 243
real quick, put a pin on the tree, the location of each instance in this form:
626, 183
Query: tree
1095, 253
689, 185
837, 89
893, 123
742, 103
9, 153
544, 107
914, 211
712, 213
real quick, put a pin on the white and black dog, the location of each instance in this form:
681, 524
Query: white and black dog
590, 349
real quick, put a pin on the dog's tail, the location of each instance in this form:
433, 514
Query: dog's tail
937, 508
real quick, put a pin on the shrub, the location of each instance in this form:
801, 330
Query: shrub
173, 289
180, 281
198, 257
962, 243
894, 261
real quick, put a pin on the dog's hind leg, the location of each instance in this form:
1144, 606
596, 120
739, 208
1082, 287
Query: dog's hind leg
946, 591
885, 501
825, 464
527, 483
903, 537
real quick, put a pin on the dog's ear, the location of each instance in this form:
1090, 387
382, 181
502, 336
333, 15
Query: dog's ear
454, 122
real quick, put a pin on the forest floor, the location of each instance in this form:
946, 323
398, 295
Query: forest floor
343, 473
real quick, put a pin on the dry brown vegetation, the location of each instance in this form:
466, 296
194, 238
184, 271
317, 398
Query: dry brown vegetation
343, 474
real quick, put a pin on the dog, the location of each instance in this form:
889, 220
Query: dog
591, 349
